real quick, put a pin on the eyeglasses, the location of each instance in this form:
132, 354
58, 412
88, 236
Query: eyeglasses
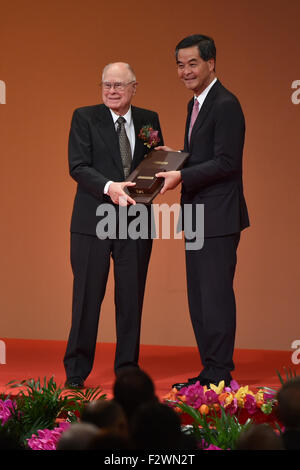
118, 86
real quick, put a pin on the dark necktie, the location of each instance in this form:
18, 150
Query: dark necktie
125, 148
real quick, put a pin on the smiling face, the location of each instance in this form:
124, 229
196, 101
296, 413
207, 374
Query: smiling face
118, 99
195, 72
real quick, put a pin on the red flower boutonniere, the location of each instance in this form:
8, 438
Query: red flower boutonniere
150, 136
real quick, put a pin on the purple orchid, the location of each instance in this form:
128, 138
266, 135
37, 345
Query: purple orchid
250, 404
194, 395
6, 407
211, 397
232, 407
47, 439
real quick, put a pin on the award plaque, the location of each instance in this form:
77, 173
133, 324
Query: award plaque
147, 184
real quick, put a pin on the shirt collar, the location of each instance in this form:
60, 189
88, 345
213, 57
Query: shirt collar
204, 93
127, 116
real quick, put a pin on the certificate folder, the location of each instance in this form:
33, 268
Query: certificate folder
147, 184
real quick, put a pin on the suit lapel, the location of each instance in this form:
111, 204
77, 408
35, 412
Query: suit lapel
140, 149
205, 108
108, 133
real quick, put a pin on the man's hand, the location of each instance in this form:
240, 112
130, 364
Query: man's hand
165, 148
117, 194
172, 179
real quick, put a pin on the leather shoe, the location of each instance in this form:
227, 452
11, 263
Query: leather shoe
194, 380
74, 382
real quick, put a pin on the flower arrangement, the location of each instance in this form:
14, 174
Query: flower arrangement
149, 135
41, 411
217, 415
232, 399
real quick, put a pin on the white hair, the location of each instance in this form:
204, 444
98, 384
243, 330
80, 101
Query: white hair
130, 69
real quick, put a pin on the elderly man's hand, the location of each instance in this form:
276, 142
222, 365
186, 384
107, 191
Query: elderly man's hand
117, 194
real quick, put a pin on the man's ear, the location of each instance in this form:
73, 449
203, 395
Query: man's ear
134, 87
211, 64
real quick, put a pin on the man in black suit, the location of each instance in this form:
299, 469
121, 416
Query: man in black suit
103, 149
214, 137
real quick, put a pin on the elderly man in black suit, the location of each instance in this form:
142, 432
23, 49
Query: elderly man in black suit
214, 137
104, 148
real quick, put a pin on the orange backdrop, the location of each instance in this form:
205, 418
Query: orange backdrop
52, 54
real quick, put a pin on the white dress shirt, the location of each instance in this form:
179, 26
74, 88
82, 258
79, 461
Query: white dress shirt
204, 93
130, 131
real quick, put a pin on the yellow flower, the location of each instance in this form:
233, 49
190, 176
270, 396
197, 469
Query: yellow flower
241, 394
218, 389
228, 399
259, 396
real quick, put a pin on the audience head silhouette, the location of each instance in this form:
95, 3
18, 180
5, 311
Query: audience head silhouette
78, 437
156, 426
132, 388
259, 437
289, 404
106, 414
288, 412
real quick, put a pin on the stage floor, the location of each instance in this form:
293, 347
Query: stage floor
165, 364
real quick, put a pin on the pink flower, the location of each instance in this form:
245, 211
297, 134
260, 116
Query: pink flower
213, 447
211, 397
47, 439
153, 137
250, 404
234, 385
232, 407
194, 395
6, 407
204, 446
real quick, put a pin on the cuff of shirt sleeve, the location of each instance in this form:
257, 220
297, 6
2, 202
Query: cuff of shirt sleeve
106, 187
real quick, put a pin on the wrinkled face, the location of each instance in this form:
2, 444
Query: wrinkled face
195, 72
118, 88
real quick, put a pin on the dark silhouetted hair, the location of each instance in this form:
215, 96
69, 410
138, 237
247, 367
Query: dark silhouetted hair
156, 426
109, 441
205, 44
259, 437
102, 413
78, 437
133, 387
289, 403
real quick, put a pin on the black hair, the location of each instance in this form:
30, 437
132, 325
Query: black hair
205, 44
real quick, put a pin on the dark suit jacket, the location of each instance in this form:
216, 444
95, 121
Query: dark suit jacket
213, 173
95, 159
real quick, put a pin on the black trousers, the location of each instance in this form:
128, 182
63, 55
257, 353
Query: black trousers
210, 275
90, 260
